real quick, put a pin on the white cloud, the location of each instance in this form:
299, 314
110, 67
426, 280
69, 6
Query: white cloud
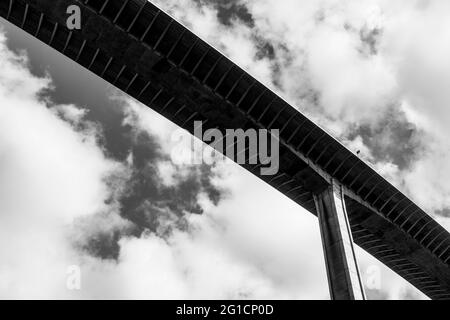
353, 88
53, 173
256, 243
240, 249
50, 175
53, 182
348, 64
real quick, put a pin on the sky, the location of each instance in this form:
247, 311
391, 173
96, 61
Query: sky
87, 179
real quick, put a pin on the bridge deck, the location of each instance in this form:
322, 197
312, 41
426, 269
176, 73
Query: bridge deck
144, 52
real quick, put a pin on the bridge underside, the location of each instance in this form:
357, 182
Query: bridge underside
156, 60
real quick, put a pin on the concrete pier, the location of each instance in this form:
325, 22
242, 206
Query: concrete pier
344, 279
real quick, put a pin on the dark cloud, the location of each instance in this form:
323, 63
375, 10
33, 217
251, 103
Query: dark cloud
444, 212
265, 49
146, 203
142, 200
97, 241
73, 85
393, 139
229, 10
370, 39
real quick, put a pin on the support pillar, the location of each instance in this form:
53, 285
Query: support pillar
344, 279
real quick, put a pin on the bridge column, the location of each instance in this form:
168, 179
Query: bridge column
344, 279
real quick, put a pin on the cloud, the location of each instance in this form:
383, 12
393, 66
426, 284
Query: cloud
374, 71
228, 239
370, 73
51, 174
65, 203
242, 248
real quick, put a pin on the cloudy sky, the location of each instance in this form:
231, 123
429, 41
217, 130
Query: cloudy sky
86, 177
